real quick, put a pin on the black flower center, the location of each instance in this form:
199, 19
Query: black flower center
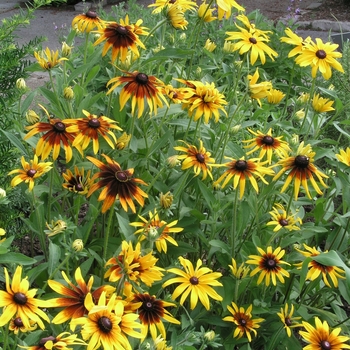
322, 55
283, 222
91, 14
325, 345
200, 157
121, 176
243, 322
288, 321
194, 280
142, 78
94, 123
79, 187
175, 95
252, 40
20, 298
31, 172
172, 1
59, 127
270, 263
46, 339
121, 30
148, 305
301, 161
18, 322
105, 324
268, 140
241, 165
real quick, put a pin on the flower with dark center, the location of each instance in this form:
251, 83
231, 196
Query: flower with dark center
18, 300
183, 5
196, 282
92, 128
282, 219
253, 40
321, 54
43, 341
16, 325
85, 23
321, 338
198, 158
48, 59
31, 172
244, 321
269, 265
288, 320
301, 169
77, 182
116, 183
104, 324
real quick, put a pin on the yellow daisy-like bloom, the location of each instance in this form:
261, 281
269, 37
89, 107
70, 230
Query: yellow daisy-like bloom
130, 265
288, 320
241, 170
88, 21
229, 46
301, 170
251, 26
275, 96
206, 13
316, 268
18, 300
176, 17
320, 337
282, 219
239, 272
157, 230
225, 8
198, 158
253, 43
138, 87
269, 265
16, 326
123, 141
77, 182
183, 5
63, 341
296, 40
344, 156
320, 56
48, 58
198, 282
161, 344
244, 321
203, 100
322, 105
210, 45
258, 90
176, 95
29, 172
267, 144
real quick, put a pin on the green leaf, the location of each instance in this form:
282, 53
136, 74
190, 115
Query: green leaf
16, 258
16, 142
220, 244
54, 257
92, 73
207, 193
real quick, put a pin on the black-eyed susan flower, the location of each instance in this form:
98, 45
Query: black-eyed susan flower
229, 46
63, 341
157, 230
29, 172
121, 37
244, 321
269, 265
320, 56
48, 59
139, 87
239, 272
131, 265
316, 269
116, 182
266, 144
210, 45
241, 170
73, 296
282, 219
152, 312
205, 12
88, 21
321, 338
275, 96
16, 326
225, 8
176, 95
344, 156
295, 40
321, 104
183, 5
90, 129
176, 17
19, 301
288, 320
251, 26
258, 90
198, 158
301, 169
55, 227
161, 344
107, 325
78, 182
55, 133
198, 282
123, 141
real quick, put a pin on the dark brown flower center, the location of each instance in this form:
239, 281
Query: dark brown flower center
59, 127
241, 165
194, 280
46, 339
242, 322
79, 187
20, 298
18, 322
270, 263
200, 157
91, 14
94, 123
302, 162
288, 321
175, 95
147, 305
121, 30
252, 40
321, 54
105, 324
142, 78
283, 222
172, 1
325, 345
31, 172
121, 176
268, 140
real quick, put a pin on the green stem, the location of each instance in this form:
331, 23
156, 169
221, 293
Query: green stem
5, 337
106, 238
234, 224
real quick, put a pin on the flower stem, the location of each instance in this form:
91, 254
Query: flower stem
106, 238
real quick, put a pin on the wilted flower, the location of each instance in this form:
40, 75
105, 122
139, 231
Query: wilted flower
55, 227
166, 200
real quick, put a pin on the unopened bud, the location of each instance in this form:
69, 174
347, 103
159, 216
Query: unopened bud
32, 117
21, 84
78, 245
68, 93
2, 193
173, 161
166, 200
66, 49
2, 232
209, 335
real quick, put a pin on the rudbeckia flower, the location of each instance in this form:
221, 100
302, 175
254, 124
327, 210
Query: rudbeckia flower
16, 326
320, 56
225, 8
176, 95
48, 58
269, 265
239, 272
77, 182
258, 90
275, 96
117, 183
18, 300
244, 321
176, 17
210, 45
296, 40
198, 158
320, 337
88, 21
183, 5
139, 86
282, 219
301, 169
29, 172
288, 320
198, 282
63, 341
321, 104
206, 13
344, 156
251, 26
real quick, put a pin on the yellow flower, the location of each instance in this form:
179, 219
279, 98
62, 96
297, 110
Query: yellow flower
183, 5
206, 13
209, 45
32, 117
288, 320
88, 21
297, 41
281, 219
55, 227
344, 156
300, 114
66, 49
304, 97
48, 59
275, 96
166, 200
225, 7
239, 272
321, 104
258, 90
78, 245
68, 93
123, 141
176, 17
229, 46
21, 84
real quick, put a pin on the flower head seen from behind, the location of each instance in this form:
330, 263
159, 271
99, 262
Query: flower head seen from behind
288, 320
29, 172
19, 301
225, 8
344, 156
210, 45
116, 183
183, 5
88, 21
321, 104
258, 90
198, 158
176, 17
321, 338
78, 182
48, 59
195, 281
206, 13
275, 96
244, 321
282, 219
269, 265
301, 169
296, 40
